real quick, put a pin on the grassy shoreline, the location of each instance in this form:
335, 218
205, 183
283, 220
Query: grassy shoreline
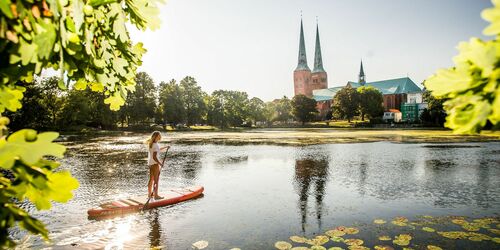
308, 136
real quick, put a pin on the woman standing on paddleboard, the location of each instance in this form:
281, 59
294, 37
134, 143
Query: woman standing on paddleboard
154, 164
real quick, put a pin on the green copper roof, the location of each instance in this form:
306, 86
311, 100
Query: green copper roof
325, 94
392, 86
302, 51
318, 61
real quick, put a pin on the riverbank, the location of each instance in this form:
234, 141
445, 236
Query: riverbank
308, 136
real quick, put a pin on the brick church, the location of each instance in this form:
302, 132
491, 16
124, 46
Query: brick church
314, 84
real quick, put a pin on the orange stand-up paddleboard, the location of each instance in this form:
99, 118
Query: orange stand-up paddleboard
135, 204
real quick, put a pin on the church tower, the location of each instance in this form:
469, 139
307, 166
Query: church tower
302, 74
362, 79
319, 77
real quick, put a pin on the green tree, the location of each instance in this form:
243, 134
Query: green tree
472, 86
304, 108
88, 43
371, 102
282, 109
434, 113
193, 98
171, 103
215, 110
345, 104
256, 110
141, 104
228, 108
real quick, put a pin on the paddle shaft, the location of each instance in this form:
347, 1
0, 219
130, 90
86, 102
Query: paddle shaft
155, 186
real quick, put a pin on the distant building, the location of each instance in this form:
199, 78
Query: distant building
304, 80
395, 92
314, 84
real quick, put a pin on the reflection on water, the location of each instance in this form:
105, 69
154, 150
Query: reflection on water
256, 195
155, 232
311, 172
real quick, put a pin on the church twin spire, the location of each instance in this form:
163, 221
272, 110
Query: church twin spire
318, 61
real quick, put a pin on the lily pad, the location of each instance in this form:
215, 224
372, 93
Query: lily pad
384, 237
354, 242
460, 222
318, 240
400, 221
335, 248
383, 247
454, 234
200, 244
356, 247
471, 227
428, 229
318, 248
337, 239
379, 221
298, 239
283, 245
402, 240
496, 240
401, 218
351, 230
479, 237
335, 233
427, 217
300, 248
432, 247
495, 231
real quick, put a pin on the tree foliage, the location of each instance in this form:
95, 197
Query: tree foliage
434, 113
88, 43
371, 102
193, 99
171, 103
304, 108
472, 86
345, 104
141, 104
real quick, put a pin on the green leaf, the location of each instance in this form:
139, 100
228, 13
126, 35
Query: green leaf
482, 54
495, 114
119, 65
10, 98
446, 82
45, 40
467, 113
95, 3
5, 8
27, 52
115, 101
78, 15
493, 16
30, 152
61, 185
97, 87
81, 84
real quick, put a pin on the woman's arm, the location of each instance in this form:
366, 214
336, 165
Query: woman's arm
166, 147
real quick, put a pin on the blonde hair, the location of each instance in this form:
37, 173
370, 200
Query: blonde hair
152, 139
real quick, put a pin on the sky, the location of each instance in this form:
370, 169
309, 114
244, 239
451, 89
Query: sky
252, 45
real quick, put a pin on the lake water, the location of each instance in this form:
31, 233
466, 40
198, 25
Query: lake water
256, 195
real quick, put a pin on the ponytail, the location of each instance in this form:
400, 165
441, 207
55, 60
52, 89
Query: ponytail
152, 139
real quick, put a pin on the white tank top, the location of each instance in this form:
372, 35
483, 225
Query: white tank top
154, 148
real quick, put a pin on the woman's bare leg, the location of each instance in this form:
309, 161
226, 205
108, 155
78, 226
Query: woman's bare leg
157, 179
152, 170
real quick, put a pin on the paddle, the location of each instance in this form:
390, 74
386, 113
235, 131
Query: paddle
155, 186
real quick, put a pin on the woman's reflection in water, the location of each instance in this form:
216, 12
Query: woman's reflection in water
155, 232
